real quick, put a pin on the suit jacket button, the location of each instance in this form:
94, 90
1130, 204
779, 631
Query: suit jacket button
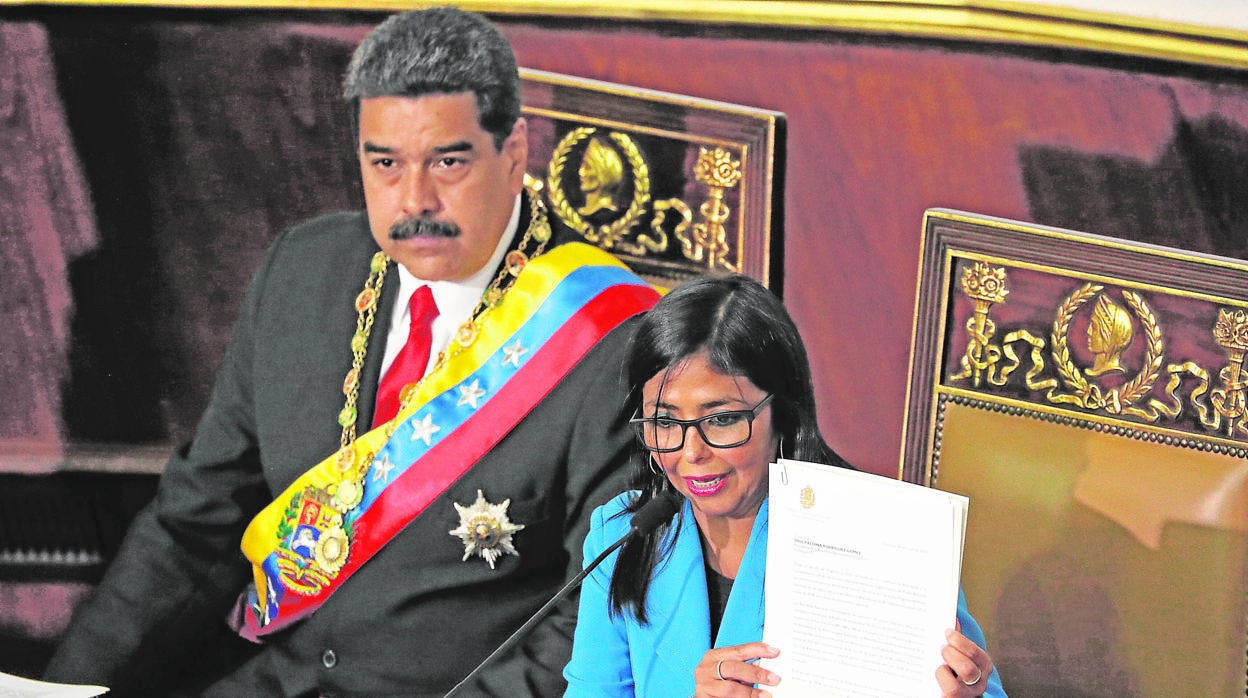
329, 659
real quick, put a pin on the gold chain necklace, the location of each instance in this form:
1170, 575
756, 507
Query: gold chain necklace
531, 245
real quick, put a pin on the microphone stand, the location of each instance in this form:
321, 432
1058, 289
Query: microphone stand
649, 517
536, 617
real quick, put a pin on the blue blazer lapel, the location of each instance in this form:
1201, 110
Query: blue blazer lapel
744, 614
680, 621
679, 614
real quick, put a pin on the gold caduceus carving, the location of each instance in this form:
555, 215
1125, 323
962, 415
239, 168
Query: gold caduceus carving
709, 243
985, 286
1229, 403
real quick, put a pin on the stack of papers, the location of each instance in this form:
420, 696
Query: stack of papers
18, 687
862, 581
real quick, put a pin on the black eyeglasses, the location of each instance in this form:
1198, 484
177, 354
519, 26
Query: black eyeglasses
718, 430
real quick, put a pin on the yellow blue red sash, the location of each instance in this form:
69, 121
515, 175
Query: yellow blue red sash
334, 517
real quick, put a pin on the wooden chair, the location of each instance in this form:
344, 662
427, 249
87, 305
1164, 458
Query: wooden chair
1089, 395
675, 186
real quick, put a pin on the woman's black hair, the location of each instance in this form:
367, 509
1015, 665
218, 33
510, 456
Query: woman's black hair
744, 330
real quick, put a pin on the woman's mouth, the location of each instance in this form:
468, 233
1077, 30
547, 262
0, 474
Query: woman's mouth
707, 485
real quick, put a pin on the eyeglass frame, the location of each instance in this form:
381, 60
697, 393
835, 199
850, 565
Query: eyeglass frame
749, 416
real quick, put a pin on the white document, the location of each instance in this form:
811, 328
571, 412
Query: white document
17, 687
862, 582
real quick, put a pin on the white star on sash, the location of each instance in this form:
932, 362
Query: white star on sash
469, 394
513, 354
382, 468
425, 429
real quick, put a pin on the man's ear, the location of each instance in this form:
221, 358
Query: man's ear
516, 150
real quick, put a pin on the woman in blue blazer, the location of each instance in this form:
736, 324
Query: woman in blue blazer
720, 386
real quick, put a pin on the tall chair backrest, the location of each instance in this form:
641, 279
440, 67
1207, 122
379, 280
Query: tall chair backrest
1089, 395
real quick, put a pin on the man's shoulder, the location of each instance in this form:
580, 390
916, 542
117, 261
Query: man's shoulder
329, 226
334, 238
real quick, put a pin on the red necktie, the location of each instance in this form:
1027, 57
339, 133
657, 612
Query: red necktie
410, 363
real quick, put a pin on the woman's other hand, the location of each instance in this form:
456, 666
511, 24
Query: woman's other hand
966, 668
731, 672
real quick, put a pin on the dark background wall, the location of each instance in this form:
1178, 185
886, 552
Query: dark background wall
150, 155
196, 136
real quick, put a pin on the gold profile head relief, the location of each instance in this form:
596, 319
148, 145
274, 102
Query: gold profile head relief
806, 497
612, 180
1110, 332
601, 173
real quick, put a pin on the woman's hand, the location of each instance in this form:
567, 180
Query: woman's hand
966, 668
730, 672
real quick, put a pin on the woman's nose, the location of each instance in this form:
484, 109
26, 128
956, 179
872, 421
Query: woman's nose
696, 447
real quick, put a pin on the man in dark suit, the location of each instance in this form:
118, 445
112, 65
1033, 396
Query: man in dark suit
393, 560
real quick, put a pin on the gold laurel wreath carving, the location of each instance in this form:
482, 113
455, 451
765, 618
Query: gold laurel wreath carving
607, 235
1061, 351
1142, 383
1119, 400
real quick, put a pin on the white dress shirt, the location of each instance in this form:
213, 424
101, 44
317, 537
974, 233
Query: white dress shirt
455, 300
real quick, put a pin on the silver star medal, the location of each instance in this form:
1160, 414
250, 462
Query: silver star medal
485, 529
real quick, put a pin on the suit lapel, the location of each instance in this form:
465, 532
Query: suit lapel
370, 372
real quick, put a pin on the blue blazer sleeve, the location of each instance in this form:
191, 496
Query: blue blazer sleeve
971, 629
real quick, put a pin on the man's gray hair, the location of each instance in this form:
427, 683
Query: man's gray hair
442, 50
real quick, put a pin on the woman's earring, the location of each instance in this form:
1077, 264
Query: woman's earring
780, 450
654, 468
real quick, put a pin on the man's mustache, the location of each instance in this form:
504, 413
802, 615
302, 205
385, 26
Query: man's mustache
423, 227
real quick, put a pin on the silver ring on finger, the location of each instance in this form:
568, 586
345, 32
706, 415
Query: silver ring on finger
719, 670
979, 676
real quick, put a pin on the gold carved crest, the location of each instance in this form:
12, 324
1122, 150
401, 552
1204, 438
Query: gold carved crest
673, 185
1106, 353
599, 184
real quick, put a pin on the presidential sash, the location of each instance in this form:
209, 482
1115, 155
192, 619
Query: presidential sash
334, 517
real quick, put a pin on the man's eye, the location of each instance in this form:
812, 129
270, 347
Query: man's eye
448, 162
383, 163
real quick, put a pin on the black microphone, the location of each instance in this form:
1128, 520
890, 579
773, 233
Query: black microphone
655, 512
